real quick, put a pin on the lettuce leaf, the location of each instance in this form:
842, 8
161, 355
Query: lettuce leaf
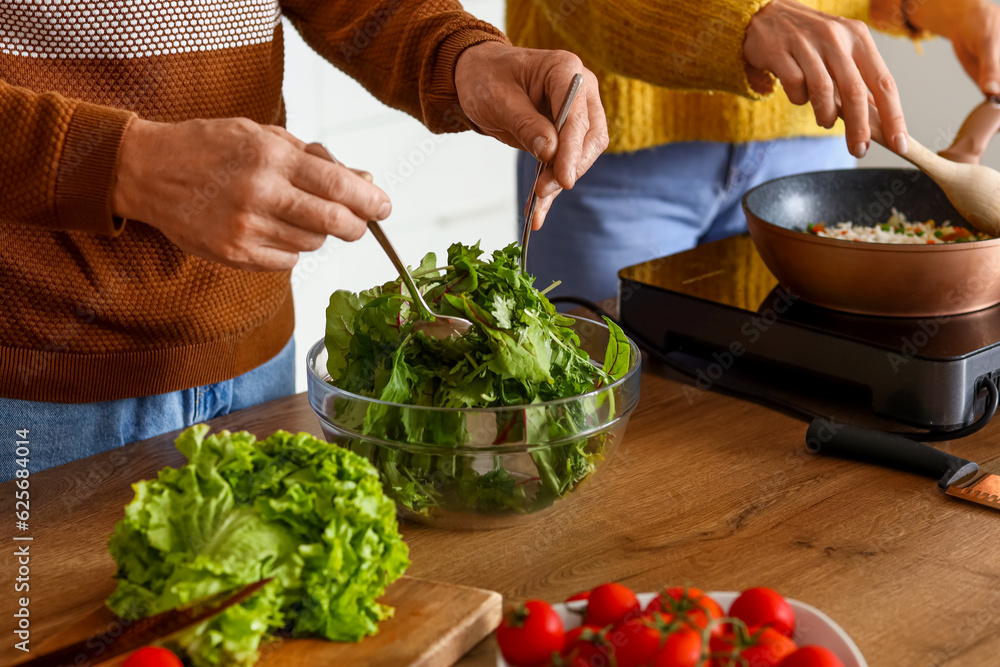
310, 514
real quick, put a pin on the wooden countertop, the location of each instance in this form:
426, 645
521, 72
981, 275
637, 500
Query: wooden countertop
705, 490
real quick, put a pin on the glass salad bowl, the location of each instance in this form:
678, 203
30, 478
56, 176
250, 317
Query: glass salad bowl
482, 468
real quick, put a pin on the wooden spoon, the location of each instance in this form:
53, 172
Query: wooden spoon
972, 188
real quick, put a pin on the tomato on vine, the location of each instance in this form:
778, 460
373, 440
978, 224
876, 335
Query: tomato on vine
812, 656
530, 634
761, 606
682, 648
587, 645
637, 640
153, 656
609, 604
737, 647
690, 604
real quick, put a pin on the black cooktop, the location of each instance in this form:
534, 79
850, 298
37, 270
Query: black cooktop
718, 302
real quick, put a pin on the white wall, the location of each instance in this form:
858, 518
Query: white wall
461, 187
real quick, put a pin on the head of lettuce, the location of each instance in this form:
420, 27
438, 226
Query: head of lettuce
305, 512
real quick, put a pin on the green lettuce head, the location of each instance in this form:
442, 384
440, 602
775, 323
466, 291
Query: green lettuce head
307, 513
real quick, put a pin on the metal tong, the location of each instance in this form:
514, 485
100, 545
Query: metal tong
533, 198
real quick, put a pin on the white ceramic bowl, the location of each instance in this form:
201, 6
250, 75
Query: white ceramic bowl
812, 627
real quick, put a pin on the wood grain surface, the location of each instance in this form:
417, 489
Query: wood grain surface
705, 490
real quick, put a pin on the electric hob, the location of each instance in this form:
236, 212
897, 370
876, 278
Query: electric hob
720, 304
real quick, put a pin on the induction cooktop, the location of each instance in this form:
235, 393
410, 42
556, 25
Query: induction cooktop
720, 304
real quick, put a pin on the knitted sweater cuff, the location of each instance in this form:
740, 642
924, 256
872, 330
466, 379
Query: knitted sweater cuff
443, 112
88, 169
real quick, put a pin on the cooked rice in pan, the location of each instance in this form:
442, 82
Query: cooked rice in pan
897, 229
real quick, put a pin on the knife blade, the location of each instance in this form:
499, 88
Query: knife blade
144, 631
956, 476
984, 490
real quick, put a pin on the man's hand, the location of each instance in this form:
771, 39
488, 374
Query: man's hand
973, 26
238, 193
513, 94
831, 62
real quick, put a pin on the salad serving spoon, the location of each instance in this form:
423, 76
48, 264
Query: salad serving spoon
533, 198
433, 324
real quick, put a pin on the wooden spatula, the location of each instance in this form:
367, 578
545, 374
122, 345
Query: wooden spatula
973, 188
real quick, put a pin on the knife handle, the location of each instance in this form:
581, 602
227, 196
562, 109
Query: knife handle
886, 449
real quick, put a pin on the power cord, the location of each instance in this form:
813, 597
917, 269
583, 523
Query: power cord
784, 405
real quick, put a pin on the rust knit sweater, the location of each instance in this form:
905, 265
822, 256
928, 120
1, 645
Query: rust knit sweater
93, 308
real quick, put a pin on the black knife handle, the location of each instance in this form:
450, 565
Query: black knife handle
886, 449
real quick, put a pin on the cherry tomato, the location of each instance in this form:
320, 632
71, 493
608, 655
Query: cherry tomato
691, 604
587, 646
582, 595
812, 656
637, 640
764, 648
682, 648
609, 604
529, 634
760, 606
153, 656
581, 632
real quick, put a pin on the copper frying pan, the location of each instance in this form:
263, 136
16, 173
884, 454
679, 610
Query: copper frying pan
877, 278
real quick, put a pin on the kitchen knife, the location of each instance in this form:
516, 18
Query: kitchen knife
956, 476
144, 631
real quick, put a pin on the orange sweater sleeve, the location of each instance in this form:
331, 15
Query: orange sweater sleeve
403, 51
59, 159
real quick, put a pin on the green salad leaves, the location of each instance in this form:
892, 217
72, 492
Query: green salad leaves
309, 514
519, 352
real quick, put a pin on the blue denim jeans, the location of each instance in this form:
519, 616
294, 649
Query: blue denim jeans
634, 207
63, 432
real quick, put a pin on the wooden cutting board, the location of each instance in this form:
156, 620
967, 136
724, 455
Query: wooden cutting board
435, 624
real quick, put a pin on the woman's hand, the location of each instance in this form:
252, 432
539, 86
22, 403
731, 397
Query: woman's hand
238, 193
973, 26
831, 62
513, 94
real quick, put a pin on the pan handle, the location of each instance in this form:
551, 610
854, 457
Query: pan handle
976, 133
886, 449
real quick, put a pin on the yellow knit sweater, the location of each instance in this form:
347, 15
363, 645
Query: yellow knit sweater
659, 60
